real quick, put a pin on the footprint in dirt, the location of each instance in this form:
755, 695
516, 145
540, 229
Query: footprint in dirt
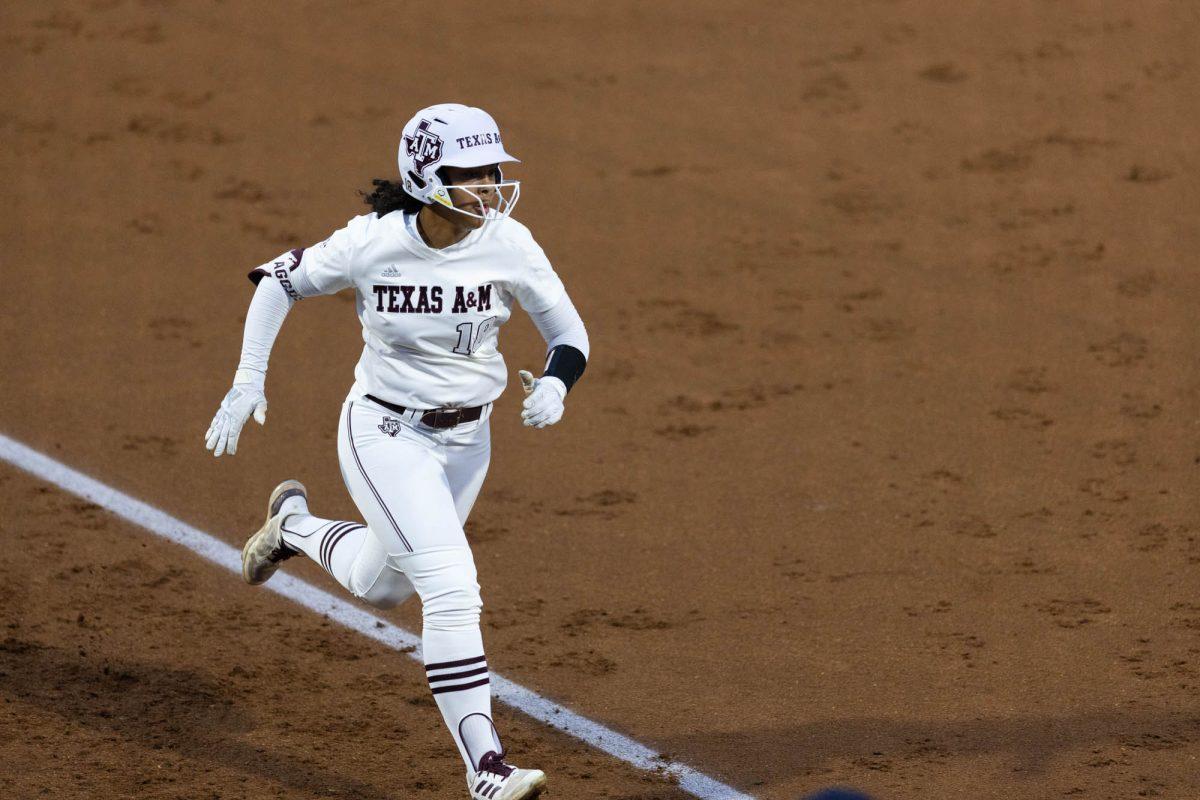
639, 619
943, 72
1030, 380
849, 300
885, 330
188, 100
1164, 71
975, 528
740, 398
150, 445
1140, 173
830, 95
1138, 406
169, 328
179, 580
1072, 612
939, 607
1140, 285
998, 161
944, 480
131, 86
1023, 418
680, 432
619, 370
87, 516
695, 323
1150, 538
274, 236
164, 130
862, 204
653, 172
609, 497
62, 23
1123, 350
148, 33
1116, 451
147, 224
604, 504
588, 662
186, 171
243, 191
1102, 489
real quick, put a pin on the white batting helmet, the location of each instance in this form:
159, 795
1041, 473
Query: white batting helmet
454, 135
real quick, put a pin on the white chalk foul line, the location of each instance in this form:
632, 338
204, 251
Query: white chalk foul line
343, 612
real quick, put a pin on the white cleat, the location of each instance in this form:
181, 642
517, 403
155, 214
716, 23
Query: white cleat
496, 780
265, 551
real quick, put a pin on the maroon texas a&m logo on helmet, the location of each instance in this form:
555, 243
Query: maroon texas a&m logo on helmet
425, 146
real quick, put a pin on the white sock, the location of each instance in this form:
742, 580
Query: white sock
458, 675
334, 544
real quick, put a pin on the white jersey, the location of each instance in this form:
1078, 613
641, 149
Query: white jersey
430, 317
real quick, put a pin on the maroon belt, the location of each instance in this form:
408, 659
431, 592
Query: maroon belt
435, 417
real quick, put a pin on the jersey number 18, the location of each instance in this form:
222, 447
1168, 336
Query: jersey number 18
470, 337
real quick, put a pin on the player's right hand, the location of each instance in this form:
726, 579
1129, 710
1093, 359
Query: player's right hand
543, 404
245, 398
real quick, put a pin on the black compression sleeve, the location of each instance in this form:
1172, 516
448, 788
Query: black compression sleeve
565, 363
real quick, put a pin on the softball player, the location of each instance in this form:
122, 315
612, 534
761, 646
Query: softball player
436, 267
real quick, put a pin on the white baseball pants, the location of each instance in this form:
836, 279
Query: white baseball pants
414, 486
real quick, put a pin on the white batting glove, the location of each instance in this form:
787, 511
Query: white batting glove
543, 400
245, 398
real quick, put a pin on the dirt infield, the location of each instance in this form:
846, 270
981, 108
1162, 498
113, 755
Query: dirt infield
884, 472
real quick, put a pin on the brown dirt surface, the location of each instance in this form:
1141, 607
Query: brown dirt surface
884, 472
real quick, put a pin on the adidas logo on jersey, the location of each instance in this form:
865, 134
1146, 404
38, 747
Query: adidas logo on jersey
390, 272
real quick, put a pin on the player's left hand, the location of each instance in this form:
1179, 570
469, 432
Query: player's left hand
544, 400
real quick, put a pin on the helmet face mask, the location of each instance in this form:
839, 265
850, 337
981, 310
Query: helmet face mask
484, 200
454, 135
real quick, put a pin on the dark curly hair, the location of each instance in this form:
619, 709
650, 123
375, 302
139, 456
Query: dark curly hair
389, 196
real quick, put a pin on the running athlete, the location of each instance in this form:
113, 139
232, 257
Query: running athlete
436, 267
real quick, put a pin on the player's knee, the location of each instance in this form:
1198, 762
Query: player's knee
454, 602
387, 590
447, 582
380, 597
455, 608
